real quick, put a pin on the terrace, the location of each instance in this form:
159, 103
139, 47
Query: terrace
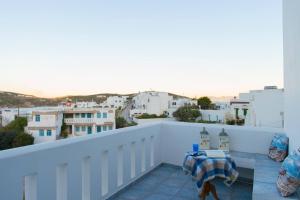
141, 162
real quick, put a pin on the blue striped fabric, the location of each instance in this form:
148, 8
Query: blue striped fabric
203, 168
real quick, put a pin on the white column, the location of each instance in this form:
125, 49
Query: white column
73, 130
94, 129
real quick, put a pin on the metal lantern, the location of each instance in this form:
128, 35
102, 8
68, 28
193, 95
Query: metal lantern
223, 141
204, 139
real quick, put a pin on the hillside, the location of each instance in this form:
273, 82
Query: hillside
11, 99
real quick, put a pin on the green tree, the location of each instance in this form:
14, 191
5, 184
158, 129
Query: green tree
13, 134
204, 103
121, 122
22, 139
17, 125
64, 130
6, 139
187, 113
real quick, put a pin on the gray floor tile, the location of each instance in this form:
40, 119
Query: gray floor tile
170, 183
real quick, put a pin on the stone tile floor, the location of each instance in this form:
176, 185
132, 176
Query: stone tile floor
168, 182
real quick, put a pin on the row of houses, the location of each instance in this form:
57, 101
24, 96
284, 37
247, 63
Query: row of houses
259, 108
158, 103
45, 123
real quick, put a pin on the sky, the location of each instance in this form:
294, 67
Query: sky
197, 47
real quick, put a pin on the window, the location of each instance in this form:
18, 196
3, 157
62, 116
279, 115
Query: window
41, 132
38, 118
104, 128
77, 115
82, 115
89, 130
83, 128
98, 129
104, 115
245, 111
109, 127
99, 115
77, 128
49, 132
89, 115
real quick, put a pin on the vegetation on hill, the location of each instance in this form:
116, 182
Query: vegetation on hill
13, 135
10, 99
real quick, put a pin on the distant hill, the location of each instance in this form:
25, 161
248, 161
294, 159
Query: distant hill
11, 99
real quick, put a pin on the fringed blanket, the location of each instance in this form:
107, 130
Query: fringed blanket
203, 168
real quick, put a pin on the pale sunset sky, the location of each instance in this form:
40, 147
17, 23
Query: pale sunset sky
197, 47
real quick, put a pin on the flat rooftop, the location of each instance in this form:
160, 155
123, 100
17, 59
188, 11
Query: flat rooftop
168, 182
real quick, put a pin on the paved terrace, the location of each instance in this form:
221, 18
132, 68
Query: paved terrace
170, 183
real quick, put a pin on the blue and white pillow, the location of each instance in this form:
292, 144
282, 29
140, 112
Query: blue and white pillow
289, 175
279, 147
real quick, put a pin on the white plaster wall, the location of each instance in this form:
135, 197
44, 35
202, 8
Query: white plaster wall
45, 138
147, 121
80, 156
267, 106
178, 138
291, 47
213, 115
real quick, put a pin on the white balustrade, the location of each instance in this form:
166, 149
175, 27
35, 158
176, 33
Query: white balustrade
99, 165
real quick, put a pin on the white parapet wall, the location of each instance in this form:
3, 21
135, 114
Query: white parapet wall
99, 165
147, 121
178, 138
90, 167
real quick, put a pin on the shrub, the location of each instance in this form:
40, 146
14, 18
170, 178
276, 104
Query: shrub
230, 122
151, 116
122, 123
6, 139
17, 125
187, 113
22, 139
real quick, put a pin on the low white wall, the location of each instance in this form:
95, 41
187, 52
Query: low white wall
98, 165
81, 160
147, 121
178, 138
213, 115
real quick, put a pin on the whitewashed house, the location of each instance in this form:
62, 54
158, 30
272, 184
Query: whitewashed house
177, 102
45, 126
116, 101
85, 121
239, 108
150, 102
266, 107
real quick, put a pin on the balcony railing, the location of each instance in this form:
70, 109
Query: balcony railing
99, 165
80, 120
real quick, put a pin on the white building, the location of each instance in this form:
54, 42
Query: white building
150, 102
84, 121
116, 101
265, 107
158, 103
239, 108
213, 115
175, 103
45, 126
